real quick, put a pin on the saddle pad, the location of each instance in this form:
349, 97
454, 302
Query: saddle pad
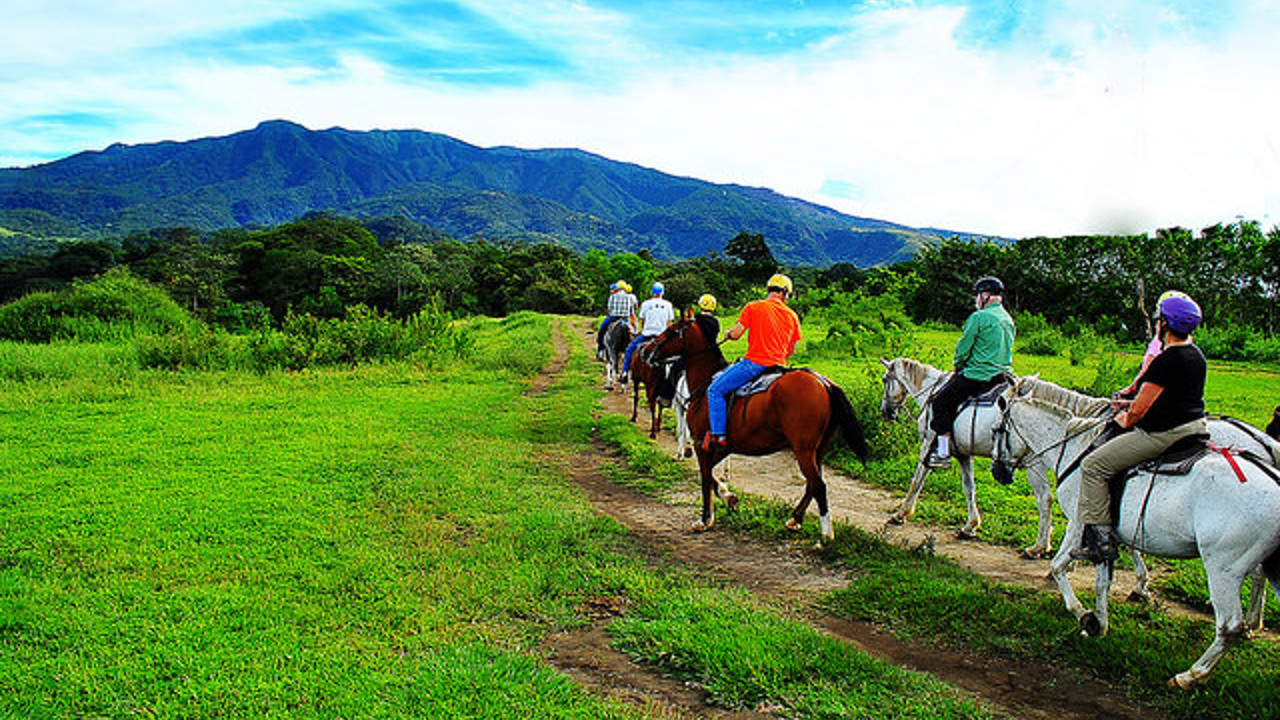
762, 381
1178, 458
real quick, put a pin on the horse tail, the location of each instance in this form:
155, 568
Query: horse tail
850, 428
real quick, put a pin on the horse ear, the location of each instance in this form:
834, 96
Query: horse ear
887, 364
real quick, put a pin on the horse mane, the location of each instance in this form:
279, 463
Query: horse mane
1069, 402
916, 371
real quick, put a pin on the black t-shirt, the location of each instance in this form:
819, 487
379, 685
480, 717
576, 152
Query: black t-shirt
1180, 370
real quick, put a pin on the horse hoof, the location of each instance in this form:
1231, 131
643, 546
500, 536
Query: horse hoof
793, 525
963, 534
731, 501
1182, 681
1138, 598
1090, 626
896, 519
701, 526
1033, 554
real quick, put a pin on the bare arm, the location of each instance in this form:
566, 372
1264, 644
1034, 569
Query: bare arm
735, 332
1147, 395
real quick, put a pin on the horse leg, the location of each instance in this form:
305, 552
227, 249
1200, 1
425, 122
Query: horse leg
814, 489
1061, 564
970, 529
908, 506
635, 403
705, 466
1095, 624
1141, 592
655, 417
1257, 598
1228, 616
1039, 482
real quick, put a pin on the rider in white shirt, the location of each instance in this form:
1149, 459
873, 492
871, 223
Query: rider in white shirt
656, 314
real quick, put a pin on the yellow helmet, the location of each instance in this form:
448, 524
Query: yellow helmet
707, 302
626, 286
781, 281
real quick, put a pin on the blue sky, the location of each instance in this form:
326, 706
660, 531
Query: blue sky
994, 116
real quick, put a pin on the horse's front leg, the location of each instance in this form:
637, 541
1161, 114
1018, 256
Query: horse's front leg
1095, 624
655, 418
970, 529
908, 506
1228, 616
706, 463
1059, 569
1039, 482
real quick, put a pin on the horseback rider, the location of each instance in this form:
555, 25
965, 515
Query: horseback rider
1153, 349
774, 331
1169, 406
622, 305
657, 313
984, 356
706, 318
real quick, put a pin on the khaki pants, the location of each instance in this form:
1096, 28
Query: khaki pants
1117, 455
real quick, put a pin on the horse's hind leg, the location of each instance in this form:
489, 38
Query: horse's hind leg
1228, 615
1257, 599
1140, 593
706, 463
814, 488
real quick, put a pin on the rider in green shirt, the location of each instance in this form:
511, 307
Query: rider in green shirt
984, 356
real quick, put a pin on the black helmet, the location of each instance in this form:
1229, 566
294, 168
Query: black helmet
989, 284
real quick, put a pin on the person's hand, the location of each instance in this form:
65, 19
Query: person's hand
1119, 403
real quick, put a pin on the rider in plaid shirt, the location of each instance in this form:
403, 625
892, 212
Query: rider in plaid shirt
622, 304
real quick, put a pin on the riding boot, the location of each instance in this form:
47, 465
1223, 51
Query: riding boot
1098, 545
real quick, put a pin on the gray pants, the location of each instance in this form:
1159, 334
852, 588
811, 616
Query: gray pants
1117, 455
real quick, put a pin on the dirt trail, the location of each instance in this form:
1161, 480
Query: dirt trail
787, 575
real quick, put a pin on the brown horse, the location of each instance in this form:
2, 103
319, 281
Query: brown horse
650, 374
801, 410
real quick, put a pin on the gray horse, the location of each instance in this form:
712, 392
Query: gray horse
616, 339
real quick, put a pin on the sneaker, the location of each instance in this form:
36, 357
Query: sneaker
714, 442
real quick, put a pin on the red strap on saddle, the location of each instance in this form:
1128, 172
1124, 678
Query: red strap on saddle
1231, 458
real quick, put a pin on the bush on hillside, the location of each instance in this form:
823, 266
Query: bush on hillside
114, 306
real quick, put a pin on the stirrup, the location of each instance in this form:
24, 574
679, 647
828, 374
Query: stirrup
714, 441
937, 462
1094, 549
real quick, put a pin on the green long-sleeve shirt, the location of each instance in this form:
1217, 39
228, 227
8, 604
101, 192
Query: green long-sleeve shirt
985, 348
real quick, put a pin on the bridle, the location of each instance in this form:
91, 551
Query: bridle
1001, 449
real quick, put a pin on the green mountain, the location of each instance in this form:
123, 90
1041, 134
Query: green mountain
280, 170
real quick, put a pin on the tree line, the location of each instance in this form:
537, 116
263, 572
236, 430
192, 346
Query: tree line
322, 264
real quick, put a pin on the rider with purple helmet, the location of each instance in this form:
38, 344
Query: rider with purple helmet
1168, 406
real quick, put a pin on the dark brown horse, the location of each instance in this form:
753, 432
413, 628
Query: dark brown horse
801, 410
650, 374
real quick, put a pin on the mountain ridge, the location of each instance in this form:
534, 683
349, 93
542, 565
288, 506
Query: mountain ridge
280, 170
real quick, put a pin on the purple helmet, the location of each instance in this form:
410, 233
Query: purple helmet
1180, 313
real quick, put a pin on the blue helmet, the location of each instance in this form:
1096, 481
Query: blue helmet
1180, 313
658, 289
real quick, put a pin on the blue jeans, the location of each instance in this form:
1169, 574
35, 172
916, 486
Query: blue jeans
734, 377
626, 357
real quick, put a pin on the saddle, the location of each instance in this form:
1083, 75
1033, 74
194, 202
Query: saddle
988, 397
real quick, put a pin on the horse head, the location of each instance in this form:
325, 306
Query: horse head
895, 390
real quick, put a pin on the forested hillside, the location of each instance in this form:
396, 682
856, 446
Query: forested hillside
280, 171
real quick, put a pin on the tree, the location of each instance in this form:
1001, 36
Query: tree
753, 252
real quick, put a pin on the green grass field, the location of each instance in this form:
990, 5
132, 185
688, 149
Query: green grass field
385, 541
396, 540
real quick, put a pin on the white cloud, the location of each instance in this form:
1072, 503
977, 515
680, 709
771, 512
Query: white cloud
1103, 134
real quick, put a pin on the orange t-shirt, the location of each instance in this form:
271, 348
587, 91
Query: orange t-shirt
772, 329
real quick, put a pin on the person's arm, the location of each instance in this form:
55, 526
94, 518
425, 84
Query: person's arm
964, 346
1147, 395
736, 331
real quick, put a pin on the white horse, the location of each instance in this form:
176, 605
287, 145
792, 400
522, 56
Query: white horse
1231, 521
972, 435
1224, 432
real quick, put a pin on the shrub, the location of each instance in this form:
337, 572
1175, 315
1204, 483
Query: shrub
115, 306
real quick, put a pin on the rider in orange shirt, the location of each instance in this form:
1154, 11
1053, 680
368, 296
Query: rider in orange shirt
773, 331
